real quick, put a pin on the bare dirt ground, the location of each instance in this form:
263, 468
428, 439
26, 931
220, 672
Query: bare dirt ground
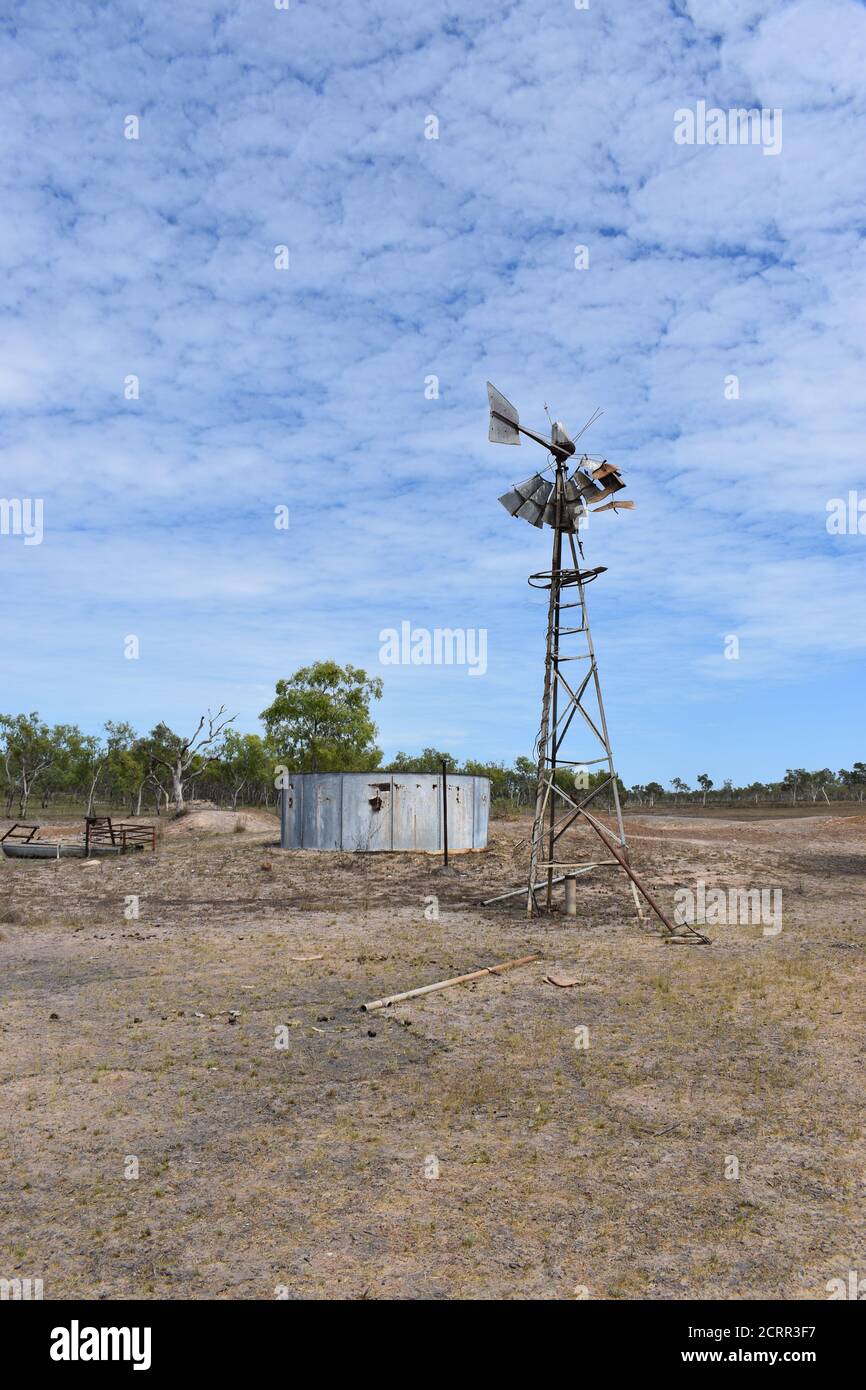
305, 1168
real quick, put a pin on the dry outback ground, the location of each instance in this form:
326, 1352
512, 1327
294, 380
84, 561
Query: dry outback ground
305, 1171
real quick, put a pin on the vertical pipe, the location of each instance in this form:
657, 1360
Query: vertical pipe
570, 895
543, 790
445, 811
554, 699
391, 820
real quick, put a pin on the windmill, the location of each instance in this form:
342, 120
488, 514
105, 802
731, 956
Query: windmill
563, 502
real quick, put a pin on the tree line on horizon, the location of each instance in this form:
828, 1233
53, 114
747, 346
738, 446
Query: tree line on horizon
319, 721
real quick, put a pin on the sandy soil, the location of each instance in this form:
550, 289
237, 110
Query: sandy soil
212, 821
305, 1168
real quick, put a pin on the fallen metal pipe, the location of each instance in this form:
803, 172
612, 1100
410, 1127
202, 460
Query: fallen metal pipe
445, 984
513, 892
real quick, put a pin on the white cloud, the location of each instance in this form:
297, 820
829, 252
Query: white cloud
410, 257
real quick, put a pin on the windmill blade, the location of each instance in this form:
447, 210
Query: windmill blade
580, 484
604, 469
612, 483
615, 506
529, 499
504, 420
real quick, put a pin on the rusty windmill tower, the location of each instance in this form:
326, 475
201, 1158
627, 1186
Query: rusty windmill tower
572, 708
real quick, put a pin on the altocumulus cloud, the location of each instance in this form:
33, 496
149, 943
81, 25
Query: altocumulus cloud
411, 258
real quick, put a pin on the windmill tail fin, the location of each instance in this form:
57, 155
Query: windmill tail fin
503, 418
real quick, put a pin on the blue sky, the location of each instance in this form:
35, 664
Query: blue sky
408, 258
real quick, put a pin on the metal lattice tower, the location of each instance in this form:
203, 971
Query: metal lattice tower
568, 692
572, 709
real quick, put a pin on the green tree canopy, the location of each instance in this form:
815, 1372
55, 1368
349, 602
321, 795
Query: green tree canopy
319, 720
27, 752
428, 760
705, 782
244, 762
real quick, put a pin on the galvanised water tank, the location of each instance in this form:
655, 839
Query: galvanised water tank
366, 811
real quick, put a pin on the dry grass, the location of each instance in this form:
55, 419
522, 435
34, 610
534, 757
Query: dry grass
304, 1166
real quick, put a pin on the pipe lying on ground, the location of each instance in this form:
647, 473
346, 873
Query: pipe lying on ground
446, 984
513, 892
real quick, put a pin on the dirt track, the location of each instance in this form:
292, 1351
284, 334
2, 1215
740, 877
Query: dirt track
304, 1168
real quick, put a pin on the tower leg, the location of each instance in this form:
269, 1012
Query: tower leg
546, 765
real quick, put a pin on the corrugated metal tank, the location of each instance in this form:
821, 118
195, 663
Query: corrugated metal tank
382, 811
